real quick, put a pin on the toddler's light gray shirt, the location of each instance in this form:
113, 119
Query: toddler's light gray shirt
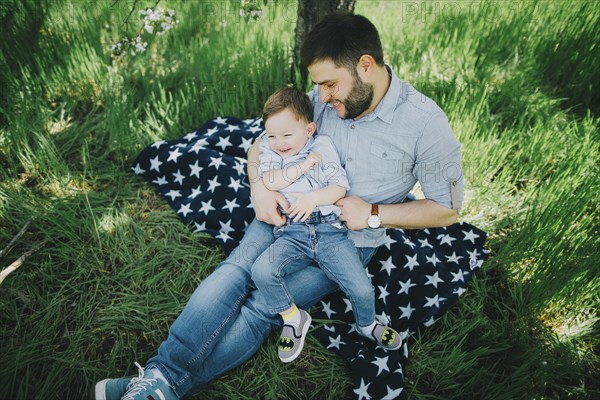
327, 172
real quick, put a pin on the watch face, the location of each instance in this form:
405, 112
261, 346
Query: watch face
374, 221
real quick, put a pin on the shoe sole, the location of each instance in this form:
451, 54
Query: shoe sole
301, 346
100, 390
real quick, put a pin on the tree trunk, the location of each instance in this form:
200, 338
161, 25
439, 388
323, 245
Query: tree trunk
309, 13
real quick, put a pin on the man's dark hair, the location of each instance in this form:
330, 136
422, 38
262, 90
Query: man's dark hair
292, 98
343, 38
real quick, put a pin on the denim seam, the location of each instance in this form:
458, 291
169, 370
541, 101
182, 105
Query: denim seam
216, 333
344, 289
283, 285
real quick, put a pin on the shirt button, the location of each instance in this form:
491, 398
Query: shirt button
384, 155
349, 159
352, 126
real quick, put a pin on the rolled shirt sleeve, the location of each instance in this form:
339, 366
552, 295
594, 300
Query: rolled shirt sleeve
438, 163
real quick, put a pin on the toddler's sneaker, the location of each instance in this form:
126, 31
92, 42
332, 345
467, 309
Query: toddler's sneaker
386, 337
292, 338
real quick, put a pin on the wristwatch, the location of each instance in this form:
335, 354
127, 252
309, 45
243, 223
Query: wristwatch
374, 220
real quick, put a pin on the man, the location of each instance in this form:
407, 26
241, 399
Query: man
388, 136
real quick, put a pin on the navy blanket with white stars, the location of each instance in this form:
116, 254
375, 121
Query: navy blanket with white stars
417, 274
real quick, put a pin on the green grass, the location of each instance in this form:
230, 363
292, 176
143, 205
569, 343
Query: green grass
519, 82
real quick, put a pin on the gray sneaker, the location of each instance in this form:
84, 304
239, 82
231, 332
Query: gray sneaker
386, 337
291, 341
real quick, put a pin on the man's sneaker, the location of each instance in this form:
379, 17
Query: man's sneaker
291, 340
112, 389
144, 387
386, 337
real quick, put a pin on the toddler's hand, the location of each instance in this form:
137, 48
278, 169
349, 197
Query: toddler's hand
313, 159
304, 205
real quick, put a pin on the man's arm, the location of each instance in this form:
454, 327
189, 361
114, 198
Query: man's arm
265, 201
415, 214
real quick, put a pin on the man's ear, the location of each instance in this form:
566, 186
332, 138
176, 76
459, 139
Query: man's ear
311, 128
366, 65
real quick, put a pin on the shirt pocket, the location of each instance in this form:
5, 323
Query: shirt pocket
384, 160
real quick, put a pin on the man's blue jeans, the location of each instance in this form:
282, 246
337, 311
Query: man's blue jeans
324, 239
225, 321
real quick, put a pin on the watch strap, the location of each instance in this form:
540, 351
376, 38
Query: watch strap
375, 209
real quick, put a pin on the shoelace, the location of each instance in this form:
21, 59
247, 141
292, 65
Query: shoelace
138, 384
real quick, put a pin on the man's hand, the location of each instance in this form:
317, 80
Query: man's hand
303, 206
266, 204
355, 212
312, 160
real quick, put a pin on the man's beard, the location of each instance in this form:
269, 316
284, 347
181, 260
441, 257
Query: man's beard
359, 99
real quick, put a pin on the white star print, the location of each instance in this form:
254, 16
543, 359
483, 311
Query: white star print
433, 279
425, 243
327, 309
232, 128
138, 170
190, 136
392, 394
388, 241
383, 293
454, 258
195, 192
429, 322
459, 291
335, 342
223, 236
160, 180
362, 392
470, 236
255, 129
220, 120
348, 305
447, 239
212, 131
206, 207
200, 227
174, 155
226, 227
434, 301
248, 121
178, 177
382, 364
246, 144
216, 162
458, 276
184, 209
409, 243
387, 265
234, 184
199, 145
158, 144
411, 262
230, 205
405, 286
173, 194
195, 169
433, 259
223, 142
406, 311
155, 164
213, 184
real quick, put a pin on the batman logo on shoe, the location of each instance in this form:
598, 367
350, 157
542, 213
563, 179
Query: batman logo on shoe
388, 337
286, 344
